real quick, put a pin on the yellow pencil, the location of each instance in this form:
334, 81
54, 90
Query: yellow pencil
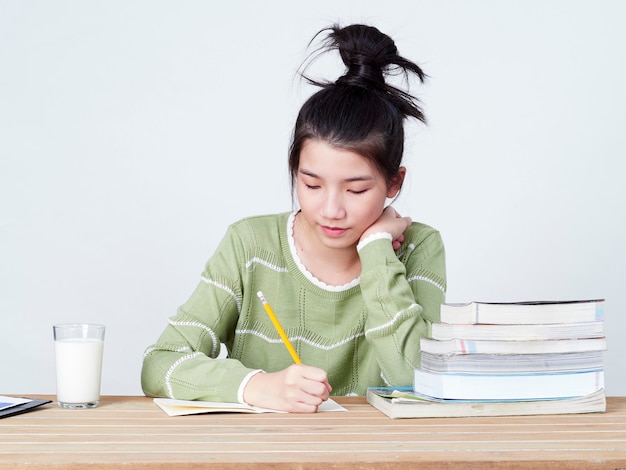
279, 328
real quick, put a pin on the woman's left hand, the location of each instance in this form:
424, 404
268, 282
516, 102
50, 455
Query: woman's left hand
391, 222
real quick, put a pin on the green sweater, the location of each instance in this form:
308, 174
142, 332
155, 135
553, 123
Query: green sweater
363, 334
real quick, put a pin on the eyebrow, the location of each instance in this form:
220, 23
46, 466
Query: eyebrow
352, 179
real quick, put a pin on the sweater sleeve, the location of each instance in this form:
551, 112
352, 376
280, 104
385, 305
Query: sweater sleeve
402, 292
182, 364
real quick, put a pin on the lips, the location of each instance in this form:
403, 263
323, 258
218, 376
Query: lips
333, 231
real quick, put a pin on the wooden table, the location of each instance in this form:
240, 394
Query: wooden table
134, 433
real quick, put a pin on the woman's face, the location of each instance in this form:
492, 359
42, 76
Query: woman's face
340, 193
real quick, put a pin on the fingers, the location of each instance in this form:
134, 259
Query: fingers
395, 224
297, 389
307, 388
313, 381
397, 243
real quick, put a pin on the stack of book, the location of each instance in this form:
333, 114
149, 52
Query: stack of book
493, 359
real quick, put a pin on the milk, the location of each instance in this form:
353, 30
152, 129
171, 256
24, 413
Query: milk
78, 367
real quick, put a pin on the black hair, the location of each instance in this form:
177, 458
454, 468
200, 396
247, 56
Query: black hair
360, 111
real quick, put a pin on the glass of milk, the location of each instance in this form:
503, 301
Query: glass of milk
78, 348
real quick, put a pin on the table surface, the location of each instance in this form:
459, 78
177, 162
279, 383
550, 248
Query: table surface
135, 433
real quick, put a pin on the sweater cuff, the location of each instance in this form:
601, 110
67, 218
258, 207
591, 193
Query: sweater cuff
243, 384
372, 237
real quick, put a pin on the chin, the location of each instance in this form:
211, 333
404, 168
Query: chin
339, 243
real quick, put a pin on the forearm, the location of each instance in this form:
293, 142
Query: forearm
190, 375
400, 305
183, 363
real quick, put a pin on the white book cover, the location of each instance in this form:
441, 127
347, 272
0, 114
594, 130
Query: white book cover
541, 312
507, 386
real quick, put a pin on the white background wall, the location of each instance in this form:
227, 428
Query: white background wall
133, 132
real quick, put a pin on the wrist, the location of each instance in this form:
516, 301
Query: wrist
241, 393
368, 238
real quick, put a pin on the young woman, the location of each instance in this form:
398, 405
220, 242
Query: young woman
354, 284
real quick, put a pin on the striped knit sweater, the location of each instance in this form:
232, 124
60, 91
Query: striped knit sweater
363, 334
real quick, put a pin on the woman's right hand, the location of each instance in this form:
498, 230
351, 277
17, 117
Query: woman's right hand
297, 389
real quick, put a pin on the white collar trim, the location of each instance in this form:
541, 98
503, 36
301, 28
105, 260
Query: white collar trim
302, 267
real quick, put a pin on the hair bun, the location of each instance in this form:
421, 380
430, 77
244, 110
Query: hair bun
370, 56
365, 51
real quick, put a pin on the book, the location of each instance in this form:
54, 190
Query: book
11, 406
512, 363
463, 346
479, 332
8, 402
524, 313
189, 407
516, 386
398, 404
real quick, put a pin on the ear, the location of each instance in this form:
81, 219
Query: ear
396, 183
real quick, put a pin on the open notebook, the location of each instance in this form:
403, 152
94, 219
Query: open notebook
189, 407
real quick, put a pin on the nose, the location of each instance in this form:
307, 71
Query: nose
333, 206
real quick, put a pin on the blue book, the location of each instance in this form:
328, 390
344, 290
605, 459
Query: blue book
10, 406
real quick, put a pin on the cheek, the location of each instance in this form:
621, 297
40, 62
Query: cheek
306, 201
370, 211
299, 191
302, 199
